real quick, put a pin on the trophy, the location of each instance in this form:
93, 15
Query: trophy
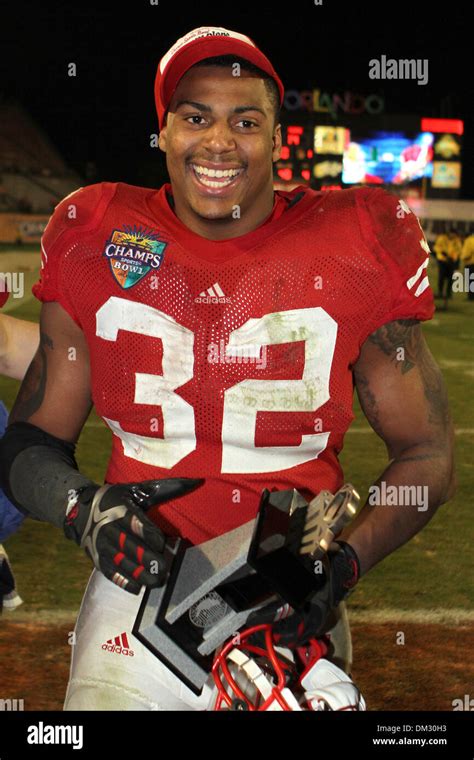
213, 588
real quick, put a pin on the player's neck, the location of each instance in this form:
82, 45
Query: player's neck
230, 227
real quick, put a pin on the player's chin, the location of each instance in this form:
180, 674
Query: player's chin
219, 207
221, 210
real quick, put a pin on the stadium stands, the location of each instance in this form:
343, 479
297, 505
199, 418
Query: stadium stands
33, 175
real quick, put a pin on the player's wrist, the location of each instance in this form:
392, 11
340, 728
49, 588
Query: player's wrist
345, 569
78, 507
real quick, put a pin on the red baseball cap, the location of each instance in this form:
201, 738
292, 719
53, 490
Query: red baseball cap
200, 43
3, 292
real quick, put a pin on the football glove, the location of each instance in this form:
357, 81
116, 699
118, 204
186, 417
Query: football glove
110, 524
341, 572
327, 687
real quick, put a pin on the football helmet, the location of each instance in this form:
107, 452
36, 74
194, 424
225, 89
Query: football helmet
251, 672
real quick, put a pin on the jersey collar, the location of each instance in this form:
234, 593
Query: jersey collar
282, 213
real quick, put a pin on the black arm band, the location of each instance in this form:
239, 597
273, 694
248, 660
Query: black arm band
38, 471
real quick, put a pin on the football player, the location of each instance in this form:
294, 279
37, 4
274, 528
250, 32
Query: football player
219, 328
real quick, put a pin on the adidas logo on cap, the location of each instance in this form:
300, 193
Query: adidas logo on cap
119, 645
214, 294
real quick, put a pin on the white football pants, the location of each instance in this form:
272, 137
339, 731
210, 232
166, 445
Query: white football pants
103, 677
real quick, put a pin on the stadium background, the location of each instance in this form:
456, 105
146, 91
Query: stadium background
58, 133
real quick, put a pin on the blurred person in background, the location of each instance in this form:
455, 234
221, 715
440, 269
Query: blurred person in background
18, 343
467, 260
448, 249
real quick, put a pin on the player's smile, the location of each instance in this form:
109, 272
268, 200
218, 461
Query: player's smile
217, 181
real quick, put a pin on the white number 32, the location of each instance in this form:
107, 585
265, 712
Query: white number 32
242, 402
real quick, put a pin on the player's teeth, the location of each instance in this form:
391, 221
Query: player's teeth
225, 177
209, 183
218, 173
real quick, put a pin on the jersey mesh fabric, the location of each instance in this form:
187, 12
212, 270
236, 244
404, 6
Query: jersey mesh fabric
304, 290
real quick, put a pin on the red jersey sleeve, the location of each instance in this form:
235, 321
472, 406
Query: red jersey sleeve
395, 238
75, 213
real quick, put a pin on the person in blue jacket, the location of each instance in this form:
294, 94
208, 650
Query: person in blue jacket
18, 343
10, 521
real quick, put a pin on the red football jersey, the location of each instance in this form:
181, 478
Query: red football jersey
230, 360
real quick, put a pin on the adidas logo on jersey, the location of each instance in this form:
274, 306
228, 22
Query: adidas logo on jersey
214, 294
119, 645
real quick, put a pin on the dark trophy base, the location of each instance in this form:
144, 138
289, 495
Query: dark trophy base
212, 589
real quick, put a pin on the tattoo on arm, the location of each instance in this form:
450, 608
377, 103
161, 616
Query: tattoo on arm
406, 334
368, 401
392, 337
32, 390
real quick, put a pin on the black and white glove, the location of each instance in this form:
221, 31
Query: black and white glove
341, 571
327, 687
110, 524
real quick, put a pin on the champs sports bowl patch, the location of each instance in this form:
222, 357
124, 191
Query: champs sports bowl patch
132, 253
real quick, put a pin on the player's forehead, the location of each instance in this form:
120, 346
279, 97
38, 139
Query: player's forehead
217, 86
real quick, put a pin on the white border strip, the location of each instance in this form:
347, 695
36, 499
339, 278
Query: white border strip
437, 616
383, 615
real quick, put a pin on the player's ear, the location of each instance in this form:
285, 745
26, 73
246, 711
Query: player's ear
277, 143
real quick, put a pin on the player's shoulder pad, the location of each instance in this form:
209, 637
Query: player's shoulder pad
390, 227
79, 209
